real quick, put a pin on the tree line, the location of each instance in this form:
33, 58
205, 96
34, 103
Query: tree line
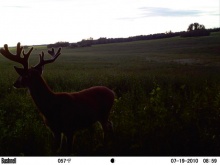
193, 30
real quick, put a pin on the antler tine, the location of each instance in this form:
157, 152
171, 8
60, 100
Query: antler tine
5, 52
26, 55
17, 57
54, 55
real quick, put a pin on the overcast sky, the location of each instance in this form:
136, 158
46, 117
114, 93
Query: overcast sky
34, 22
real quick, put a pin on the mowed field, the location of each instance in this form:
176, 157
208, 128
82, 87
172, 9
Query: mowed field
167, 98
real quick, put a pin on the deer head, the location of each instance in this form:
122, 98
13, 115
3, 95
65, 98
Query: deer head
26, 73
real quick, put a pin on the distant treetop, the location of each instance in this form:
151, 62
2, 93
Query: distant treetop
195, 26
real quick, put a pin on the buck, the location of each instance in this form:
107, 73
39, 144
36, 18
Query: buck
64, 113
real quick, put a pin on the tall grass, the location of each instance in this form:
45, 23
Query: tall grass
164, 105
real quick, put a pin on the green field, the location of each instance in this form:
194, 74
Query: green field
167, 98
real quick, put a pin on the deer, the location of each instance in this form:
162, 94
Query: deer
64, 113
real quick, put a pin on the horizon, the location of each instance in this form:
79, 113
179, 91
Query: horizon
41, 22
46, 44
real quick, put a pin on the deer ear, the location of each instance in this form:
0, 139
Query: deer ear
20, 71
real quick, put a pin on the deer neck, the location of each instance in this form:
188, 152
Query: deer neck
41, 94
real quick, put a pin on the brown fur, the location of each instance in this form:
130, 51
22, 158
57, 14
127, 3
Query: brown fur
67, 112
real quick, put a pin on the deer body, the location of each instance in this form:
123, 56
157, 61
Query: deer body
71, 111
64, 112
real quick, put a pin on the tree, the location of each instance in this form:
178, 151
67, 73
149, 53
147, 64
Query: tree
201, 27
195, 26
190, 28
195, 30
59, 44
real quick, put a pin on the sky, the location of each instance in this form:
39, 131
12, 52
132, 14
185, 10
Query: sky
35, 22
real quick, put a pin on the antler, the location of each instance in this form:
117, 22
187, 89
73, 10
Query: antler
54, 55
17, 57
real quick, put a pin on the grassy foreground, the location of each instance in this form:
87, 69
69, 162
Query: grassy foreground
167, 98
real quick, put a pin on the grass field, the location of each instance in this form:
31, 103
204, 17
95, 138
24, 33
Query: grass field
167, 98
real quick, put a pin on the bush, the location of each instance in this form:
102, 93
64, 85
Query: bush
196, 33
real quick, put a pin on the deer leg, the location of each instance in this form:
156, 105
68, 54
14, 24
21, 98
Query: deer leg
57, 141
107, 127
110, 127
70, 139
